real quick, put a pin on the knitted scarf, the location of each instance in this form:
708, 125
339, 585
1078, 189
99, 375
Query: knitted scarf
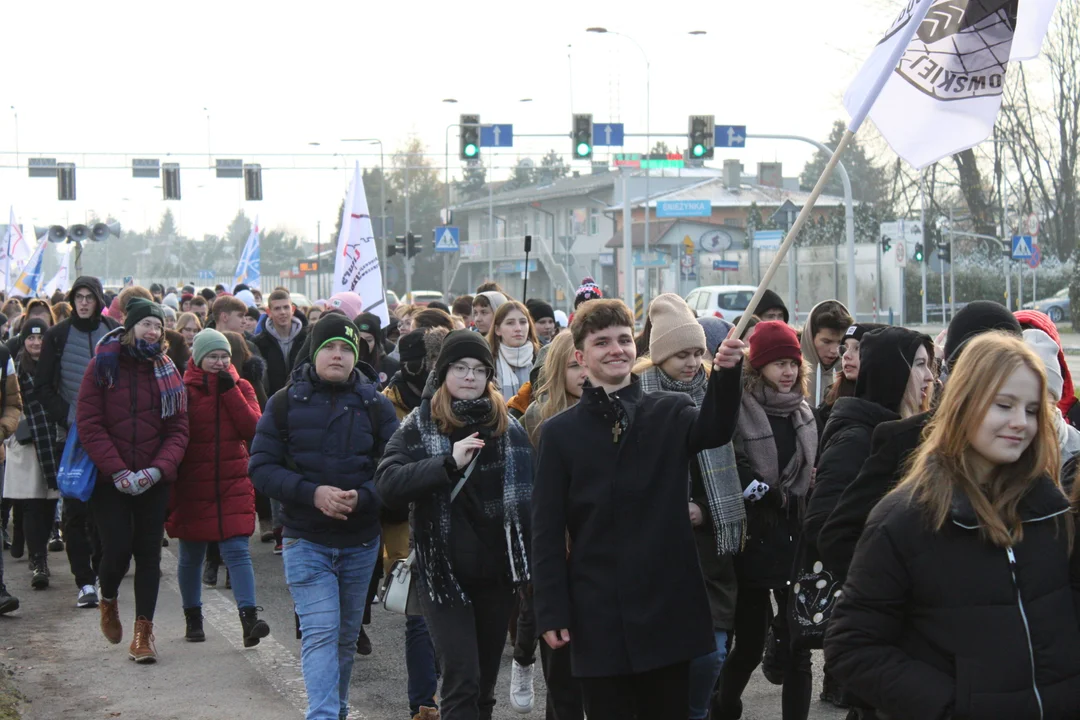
169, 381
44, 432
512, 462
796, 479
718, 471
509, 363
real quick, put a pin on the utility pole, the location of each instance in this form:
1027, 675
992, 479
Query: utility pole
925, 235
408, 227
318, 258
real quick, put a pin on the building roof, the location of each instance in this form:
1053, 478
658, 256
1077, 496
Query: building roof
715, 190
657, 230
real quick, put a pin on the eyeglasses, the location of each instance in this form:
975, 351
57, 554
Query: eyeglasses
463, 371
221, 359
84, 297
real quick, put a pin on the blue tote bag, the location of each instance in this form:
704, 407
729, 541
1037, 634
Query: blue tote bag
77, 474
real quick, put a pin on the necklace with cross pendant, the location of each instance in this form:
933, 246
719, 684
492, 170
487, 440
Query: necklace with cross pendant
616, 431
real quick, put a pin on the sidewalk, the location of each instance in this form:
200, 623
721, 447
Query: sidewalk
65, 668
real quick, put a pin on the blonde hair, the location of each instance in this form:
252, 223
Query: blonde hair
942, 467
188, 317
500, 316
550, 394
442, 411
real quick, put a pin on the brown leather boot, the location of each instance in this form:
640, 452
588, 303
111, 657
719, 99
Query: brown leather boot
110, 621
427, 713
142, 644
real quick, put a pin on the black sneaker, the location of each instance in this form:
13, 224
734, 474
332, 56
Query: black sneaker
209, 574
18, 542
40, 570
363, 643
8, 602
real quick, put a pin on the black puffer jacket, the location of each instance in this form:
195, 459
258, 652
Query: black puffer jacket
937, 625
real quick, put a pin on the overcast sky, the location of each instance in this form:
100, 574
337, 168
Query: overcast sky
133, 78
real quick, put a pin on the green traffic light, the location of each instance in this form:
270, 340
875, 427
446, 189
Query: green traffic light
583, 150
470, 150
699, 150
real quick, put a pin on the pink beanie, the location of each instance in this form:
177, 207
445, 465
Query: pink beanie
348, 302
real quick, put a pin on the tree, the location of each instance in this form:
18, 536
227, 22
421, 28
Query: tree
553, 167
523, 175
167, 226
426, 200
868, 181
238, 232
473, 182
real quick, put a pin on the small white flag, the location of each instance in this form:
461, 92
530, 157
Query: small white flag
356, 259
248, 269
944, 94
62, 279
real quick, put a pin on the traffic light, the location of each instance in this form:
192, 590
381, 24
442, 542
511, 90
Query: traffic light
469, 134
944, 252
252, 182
700, 139
170, 181
918, 252
65, 181
582, 136
412, 245
886, 244
398, 248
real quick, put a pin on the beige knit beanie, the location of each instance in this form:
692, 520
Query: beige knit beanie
674, 328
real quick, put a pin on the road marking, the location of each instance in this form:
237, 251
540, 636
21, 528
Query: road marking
275, 662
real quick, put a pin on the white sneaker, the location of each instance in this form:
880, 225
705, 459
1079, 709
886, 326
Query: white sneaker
522, 695
88, 597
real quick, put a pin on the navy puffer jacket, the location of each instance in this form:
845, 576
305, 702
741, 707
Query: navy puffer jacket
336, 435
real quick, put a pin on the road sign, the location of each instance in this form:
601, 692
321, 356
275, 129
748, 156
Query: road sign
655, 259
1032, 226
715, 241
446, 239
768, 239
1021, 247
683, 208
725, 265
1036, 257
729, 135
610, 134
901, 254
496, 135
204, 274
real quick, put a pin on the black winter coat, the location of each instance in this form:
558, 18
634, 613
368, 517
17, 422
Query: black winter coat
845, 445
890, 447
278, 367
937, 625
630, 589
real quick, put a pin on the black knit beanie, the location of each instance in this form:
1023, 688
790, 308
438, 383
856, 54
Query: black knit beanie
334, 326
369, 323
411, 347
139, 309
33, 326
539, 310
856, 331
462, 344
770, 300
974, 319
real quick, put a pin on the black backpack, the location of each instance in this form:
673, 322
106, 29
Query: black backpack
281, 420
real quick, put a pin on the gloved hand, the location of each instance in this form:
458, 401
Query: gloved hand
143, 480
225, 382
124, 481
755, 491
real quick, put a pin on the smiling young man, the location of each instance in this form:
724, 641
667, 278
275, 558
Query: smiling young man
280, 341
629, 598
821, 343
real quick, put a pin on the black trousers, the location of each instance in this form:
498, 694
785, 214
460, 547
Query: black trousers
38, 520
525, 639
753, 613
81, 541
469, 640
661, 694
563, 690
131, 526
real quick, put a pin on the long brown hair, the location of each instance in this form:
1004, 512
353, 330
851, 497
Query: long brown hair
500, 315
753, 380
550, 394
943, 467
442, 411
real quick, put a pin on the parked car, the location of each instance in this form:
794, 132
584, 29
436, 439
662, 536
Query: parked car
1056, 306
723, 301
423, 297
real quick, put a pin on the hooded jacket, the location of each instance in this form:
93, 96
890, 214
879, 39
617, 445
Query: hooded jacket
1042, 321
809, 352
934, 625
885, 360
280, 353
67, 350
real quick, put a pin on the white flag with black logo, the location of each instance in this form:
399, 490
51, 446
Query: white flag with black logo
356, 259
944, 94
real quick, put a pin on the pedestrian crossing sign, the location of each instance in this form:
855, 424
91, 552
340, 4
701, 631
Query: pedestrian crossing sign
446, 239
1022, 247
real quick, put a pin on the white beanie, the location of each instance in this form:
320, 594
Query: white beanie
674, 328
247, 297
1047, 350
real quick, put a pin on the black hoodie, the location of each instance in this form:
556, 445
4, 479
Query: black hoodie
885, 360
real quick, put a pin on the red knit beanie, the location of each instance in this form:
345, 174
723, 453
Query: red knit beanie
773, 340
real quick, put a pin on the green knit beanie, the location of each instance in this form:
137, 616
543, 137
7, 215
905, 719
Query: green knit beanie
206, 342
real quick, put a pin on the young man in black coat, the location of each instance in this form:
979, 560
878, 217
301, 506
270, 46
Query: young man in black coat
893, 442
611, 484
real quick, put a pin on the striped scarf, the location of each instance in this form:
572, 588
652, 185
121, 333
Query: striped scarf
169, 382
44, 432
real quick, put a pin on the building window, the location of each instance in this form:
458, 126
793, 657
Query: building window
594, 221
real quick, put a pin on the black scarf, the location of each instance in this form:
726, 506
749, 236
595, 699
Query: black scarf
44, 432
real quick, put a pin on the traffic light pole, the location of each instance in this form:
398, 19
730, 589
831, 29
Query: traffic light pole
408, 226
922, 226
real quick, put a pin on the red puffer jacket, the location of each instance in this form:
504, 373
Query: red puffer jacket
121, 427
213, 498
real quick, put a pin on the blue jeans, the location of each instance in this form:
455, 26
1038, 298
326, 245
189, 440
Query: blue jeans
329, 586
237, 557
420, 664
704, 672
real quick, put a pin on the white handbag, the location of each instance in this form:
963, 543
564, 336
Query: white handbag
399, 592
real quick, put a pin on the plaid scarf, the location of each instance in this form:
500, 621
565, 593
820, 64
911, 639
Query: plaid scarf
719, 474
513, 464
45, 433
171, 385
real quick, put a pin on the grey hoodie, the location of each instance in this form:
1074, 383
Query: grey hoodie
285, 343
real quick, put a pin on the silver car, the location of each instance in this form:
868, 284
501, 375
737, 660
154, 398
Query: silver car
1056, 306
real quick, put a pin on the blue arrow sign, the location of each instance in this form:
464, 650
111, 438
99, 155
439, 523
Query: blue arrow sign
610, 134
496, 135
1021, 247
729, 136
446, 239
725, 265
768, 239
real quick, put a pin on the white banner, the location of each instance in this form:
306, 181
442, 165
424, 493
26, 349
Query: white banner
15, 250
944, 94
356, 259
62, 279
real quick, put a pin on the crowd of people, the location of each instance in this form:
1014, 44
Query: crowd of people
655, 514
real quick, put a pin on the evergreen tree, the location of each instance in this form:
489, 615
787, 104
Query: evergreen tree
868, 181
